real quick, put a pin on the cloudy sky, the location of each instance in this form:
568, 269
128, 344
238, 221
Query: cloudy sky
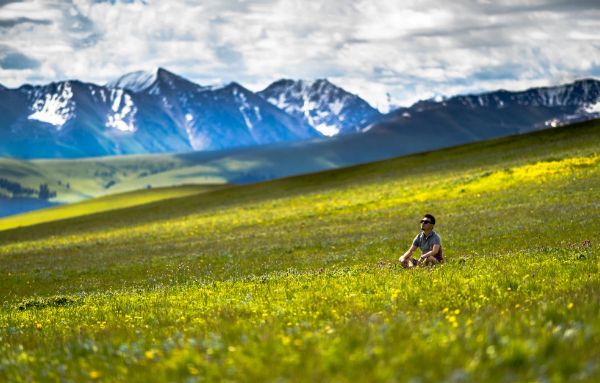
383, 50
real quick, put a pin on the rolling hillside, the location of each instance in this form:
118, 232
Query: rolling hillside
296, 279
103, 204
77, 180
286, 147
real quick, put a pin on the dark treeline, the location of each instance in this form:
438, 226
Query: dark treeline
17, 190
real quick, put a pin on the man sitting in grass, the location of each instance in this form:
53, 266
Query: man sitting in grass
429, 242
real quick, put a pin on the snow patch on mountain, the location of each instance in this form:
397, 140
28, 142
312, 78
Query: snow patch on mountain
123, 112
198, 140
248, 112
336, 106
327, 130
592, 108
54, 108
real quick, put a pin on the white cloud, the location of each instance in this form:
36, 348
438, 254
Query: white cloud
410, 49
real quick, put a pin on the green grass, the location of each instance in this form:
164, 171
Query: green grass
297, 279
82, 179
103, 204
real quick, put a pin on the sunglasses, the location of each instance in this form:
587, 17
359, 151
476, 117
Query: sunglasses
425, 221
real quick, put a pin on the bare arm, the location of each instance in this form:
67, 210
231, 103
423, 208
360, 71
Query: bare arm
432, 252
408, 253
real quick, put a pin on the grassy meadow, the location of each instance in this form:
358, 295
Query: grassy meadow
297, 279
103, 204
74, 180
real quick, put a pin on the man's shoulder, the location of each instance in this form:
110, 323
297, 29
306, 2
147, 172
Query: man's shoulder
418, 238
436, 235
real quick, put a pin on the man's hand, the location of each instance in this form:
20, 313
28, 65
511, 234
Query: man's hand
406, 261
408, 254
431, 253
406, 257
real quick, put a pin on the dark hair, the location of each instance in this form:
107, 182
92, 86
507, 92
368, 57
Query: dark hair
431, 218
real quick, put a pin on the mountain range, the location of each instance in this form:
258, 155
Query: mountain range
149, 113
161, 112
191, 134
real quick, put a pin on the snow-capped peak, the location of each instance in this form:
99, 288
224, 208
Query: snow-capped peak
326, 107
306, 99
158, 82
578, 93
135, 81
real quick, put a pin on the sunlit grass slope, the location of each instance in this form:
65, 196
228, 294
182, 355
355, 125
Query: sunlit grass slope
103, 204
81, 179
297, 280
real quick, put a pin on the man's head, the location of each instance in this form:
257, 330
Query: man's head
427, 222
